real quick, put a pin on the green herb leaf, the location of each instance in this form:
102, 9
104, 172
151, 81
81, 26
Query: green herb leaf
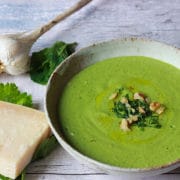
44, 62
153, 121
9, 92
45, 148
120, 110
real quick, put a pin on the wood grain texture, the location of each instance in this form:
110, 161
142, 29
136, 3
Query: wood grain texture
101, 20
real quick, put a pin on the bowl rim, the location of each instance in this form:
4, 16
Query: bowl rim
70, 149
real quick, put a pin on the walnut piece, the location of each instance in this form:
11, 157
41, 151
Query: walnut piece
141, 110
124, 125
154, 106
139, 96
132, 118
160, 110
124, 100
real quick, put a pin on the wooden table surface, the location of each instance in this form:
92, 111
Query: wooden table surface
101, 20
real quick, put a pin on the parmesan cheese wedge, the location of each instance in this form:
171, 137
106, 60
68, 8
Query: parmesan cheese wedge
21, 131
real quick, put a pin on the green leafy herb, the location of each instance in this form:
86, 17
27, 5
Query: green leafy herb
45, 61
45, 148
120, 110
9, 92
153, 121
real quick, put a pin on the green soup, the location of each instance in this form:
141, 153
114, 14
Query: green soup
90, 126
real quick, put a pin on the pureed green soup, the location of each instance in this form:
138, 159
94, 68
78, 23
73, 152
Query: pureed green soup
89, 124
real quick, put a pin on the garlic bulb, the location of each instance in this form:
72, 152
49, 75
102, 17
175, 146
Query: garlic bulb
15, 48
14, 54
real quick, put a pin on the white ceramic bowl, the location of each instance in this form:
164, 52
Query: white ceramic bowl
88, 56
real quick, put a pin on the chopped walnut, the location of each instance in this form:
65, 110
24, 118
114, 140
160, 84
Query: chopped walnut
154, 106
132, 118
139, 96
130, 121
141, 110
160, 110
124, 100
124, 125
113, 96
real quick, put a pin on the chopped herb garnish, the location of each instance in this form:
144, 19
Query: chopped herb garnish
153, 121
120, 110
136, 109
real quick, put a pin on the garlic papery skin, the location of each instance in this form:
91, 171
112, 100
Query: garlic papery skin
14, 54
1, 67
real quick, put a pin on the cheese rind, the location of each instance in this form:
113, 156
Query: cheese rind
21, 131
